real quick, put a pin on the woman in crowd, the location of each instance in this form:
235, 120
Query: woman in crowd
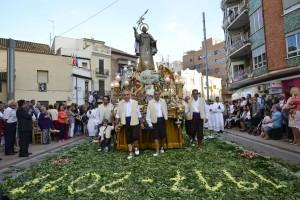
267, 124
294, 118
245, 121
62, 122
275, 131
45, 123
71, 122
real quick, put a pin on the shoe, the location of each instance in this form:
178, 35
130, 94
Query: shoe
136, 152
130, 156
155, 154
23, 155
0, 158
106, 149
99, 149
29, 153
162, 150
193, 145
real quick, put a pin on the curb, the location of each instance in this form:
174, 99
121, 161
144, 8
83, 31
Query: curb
263, 142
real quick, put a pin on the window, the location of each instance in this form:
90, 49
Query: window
215, 52
101, 66
199, 57
293, 45
259, 57
256, 21
0, 86
101, 87
42, 76
84, 64
191, 60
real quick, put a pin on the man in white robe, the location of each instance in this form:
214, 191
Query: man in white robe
218, 119
210, 116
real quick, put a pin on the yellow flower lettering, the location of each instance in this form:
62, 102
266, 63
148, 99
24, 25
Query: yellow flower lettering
104, 187
267, 180
70, 187
147, 180
22, 190
177, 180
207, 187
241, 184
51, 186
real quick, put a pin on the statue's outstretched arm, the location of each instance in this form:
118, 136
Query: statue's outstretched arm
136, 35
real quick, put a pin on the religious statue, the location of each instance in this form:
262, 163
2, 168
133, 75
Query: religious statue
145, 46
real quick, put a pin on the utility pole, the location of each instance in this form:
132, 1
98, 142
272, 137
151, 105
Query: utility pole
52, 35
11, 46
205, 60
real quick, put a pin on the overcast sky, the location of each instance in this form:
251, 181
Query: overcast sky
175, 24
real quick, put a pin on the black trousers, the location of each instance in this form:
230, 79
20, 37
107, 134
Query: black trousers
132, 132
188, 124
24, 139
10, 137
197, 127
159, 129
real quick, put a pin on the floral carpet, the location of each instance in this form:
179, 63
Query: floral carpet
219, 171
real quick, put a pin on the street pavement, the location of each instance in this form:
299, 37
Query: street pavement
279, 149
9, 165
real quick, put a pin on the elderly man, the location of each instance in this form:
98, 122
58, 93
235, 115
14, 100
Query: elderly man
10, 126
157, 113
128, 113
197, 115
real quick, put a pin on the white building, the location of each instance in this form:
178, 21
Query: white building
195, 80
91, 72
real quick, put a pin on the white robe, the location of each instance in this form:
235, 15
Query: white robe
92, 122
207, 115
218, 119
210, 118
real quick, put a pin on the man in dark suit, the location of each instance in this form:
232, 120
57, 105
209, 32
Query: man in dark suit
24, 127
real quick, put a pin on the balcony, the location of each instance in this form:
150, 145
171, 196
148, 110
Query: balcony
102, 74
242, 74
81, 71
237, 18
240, 46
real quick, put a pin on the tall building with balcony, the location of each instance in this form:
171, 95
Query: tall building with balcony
216, 62
261, 39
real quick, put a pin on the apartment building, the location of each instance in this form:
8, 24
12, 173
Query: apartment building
261, 41
216, 59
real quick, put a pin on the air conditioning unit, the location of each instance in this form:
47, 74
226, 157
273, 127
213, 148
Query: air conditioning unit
43, 87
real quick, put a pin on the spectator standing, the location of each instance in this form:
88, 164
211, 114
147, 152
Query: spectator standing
10, 126
24, 127
44, 123
62, 122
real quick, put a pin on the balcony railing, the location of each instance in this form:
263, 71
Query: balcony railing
234, 15
104, 73
242, 74
237, 44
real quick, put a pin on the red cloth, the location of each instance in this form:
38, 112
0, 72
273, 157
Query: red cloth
296, 102
62, 117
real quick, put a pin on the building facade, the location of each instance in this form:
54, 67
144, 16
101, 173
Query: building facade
99, 64
119, 59
261, 55
196, 80
39, 74
215, 57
